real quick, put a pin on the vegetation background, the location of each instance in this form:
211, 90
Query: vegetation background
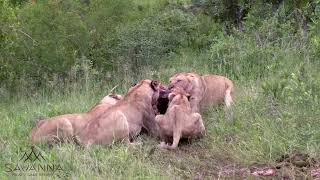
62, 56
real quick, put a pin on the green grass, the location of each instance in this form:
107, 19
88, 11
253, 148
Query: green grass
261, 130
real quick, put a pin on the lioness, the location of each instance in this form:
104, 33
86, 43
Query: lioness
179, 121
64, 127
207, 90
126, 119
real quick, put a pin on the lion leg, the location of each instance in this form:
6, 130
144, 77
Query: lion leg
60, 131
76, 141
126, 132
163, 145
127, 141
127, 138
176, 139
65, 131
200, 125
158, 120
228, 100
195, 104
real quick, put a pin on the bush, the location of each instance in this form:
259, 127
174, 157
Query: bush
57, 35
103, 18
145, 42
8, 23
45, 40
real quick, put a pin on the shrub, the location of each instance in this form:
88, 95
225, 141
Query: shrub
8, 23
45, 40
56, 36
145, 42
103, 18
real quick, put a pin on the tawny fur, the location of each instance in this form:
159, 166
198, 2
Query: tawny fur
179, 122
64, 127
124, 120
205, 91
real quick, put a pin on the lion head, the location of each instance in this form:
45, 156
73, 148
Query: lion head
149, 86
177, 94
186, 81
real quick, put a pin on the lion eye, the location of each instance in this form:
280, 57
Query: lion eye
134, 84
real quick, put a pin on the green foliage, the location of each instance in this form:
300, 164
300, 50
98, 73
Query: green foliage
103, 19
8, 21
144, 43
53, 32
315, 33
45, 40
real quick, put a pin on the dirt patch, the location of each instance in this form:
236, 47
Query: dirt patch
296, 165
195, 159
289, 166
293, 166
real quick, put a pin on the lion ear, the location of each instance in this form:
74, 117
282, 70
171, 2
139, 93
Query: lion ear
171, 96
155, 85
115, 96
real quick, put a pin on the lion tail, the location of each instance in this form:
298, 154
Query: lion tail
228, 99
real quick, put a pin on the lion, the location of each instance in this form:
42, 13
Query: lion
179, 121
124, 121
64, 127
205, 91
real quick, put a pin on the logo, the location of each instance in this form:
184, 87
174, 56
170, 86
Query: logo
32, 156
33, 163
